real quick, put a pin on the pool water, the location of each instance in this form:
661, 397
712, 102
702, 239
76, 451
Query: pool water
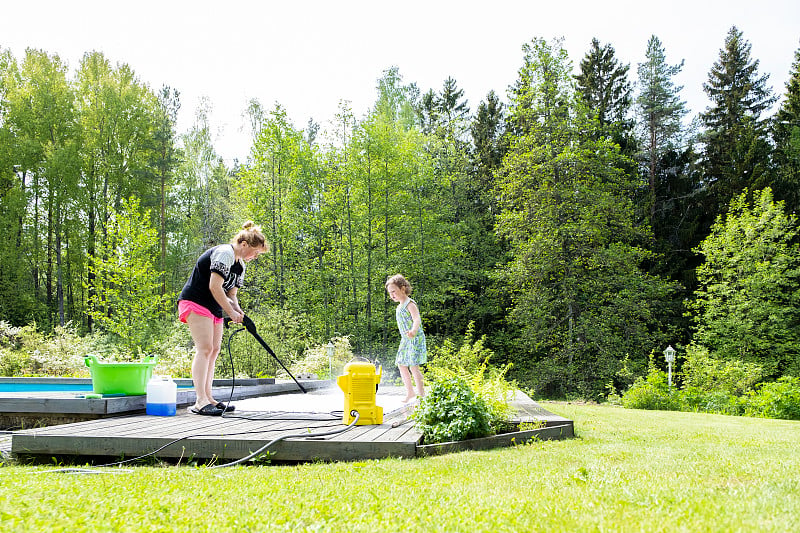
54, 385
45, 387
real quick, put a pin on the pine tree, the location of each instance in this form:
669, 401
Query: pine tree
488, 145
736, 148
786, 136
580, 298
660, 111
603, 84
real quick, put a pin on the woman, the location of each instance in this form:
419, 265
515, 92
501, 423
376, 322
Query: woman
210, 291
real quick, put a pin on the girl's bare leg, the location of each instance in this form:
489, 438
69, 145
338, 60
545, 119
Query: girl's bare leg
418, 381
406, 377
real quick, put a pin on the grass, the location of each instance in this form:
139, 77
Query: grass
628, 470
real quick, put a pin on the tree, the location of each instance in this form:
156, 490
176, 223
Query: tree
128, 280
477, 298
581, 301
165, 159
118, 116
786, 136
660, 111
605, 89
488, 146
42, 118
736, 148
19, 301
748, 305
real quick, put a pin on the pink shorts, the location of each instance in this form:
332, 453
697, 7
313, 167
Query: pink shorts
187, 306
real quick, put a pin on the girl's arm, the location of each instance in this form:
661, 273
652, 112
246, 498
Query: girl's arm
417, 321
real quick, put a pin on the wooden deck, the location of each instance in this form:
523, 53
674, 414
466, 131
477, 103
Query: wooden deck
35, 409
225, 439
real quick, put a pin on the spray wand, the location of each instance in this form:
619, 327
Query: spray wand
251, 327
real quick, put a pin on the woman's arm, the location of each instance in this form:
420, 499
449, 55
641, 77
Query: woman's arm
215, 286
234, 299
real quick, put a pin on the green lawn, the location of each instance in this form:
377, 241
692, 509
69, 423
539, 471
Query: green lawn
626, 471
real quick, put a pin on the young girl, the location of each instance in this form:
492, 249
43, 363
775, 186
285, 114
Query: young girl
412, 351
210, 290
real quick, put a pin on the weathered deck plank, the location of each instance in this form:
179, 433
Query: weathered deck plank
240, 433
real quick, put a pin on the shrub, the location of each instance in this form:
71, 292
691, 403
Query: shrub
316, 361
700, 400
777, 399
28, 352
470, 363
175, 352
701, 371
467, 358
283, 331
451, 411
652, 392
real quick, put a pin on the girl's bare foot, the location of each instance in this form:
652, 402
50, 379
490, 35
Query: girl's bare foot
409, 398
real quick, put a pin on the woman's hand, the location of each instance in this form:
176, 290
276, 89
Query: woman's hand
411, 333
237, 317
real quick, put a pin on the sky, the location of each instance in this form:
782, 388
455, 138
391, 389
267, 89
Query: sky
310, 55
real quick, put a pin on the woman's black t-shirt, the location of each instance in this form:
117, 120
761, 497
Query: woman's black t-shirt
219, 259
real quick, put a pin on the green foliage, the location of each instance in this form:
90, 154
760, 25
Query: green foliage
128, 284
285, 332
786, 137
466, 358
451, 411
605, 89
747, 306
652, 392
660, 110
175, 350
713, 386
315, 359
711, 401
470, 363
702, 372
24, 351
581, 297
777, 399
535, 232
737, 150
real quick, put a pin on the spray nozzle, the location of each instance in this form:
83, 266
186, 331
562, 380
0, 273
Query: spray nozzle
248, 323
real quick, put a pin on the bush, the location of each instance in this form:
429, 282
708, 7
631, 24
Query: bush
652, 392
701, 400
175, 351
283, 331
470, 363
467, 358
451, 411
316, 361
777, 399
703, 372
27, 352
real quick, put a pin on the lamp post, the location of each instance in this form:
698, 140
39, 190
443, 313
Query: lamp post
669, 354
330, 347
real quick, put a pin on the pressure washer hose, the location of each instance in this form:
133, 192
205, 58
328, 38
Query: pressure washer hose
353, 413
251, 328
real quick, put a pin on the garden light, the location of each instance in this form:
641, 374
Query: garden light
669, 354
